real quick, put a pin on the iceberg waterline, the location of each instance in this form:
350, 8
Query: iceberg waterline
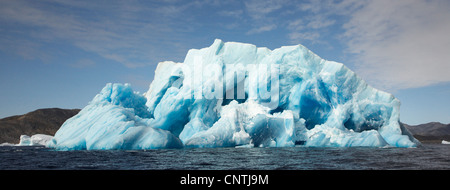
236, 94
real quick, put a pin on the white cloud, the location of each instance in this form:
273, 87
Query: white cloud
260, 13
310, 31
258, 9
301, 36
397, 44
296, 25
261, 29
394, 44
330, 7
401, 44
316, 19
320, 22
232, 13
128, 33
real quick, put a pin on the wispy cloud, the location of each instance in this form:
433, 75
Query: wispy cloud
258, 9
299, 36
231, 13
260, 12
318, 22
401, 44
394, 44
261, 29
128, 33
316, 19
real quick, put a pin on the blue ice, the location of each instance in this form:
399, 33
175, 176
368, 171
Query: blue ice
236, 94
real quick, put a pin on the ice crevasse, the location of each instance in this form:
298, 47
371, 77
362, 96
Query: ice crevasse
236, 94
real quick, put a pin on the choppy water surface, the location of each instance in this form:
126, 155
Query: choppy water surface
428, 156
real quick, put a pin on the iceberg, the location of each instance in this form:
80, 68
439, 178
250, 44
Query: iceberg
34, 140
238, 95
116, 118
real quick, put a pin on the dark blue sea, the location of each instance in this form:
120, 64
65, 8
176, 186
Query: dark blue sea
428, 157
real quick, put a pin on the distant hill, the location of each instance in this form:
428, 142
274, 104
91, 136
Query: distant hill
433, 132
41, 121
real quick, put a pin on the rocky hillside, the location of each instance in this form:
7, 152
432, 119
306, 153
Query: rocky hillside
42, 121
433, 132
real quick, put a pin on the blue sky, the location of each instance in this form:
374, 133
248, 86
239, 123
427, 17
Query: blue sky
56, 53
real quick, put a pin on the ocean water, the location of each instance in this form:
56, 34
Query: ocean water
428, 156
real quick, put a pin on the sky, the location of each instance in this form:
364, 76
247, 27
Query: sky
58, 53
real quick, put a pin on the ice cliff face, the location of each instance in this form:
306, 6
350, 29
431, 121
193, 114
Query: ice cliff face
235, 94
